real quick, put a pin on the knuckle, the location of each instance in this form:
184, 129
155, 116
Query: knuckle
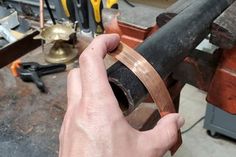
84, 57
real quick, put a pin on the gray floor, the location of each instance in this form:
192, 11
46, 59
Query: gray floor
196, 143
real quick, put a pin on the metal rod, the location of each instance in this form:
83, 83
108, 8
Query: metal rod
41, 11
165, 49
50, 12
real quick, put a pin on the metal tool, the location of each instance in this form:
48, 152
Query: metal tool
97, 7
81, 10
77, 10
50, 12
32, 71
8, 18
6, 34
130, 4
41, 19
69, 9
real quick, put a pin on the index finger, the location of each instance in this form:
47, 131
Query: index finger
93, 71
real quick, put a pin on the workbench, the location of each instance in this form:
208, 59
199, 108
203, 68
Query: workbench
30, 120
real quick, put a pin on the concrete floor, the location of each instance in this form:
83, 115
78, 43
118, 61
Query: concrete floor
197, 143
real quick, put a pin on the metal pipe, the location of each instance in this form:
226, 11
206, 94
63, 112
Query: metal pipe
165, 49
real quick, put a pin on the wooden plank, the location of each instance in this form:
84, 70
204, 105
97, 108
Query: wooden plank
19, 48
223, 31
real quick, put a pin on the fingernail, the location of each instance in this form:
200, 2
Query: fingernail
181, 121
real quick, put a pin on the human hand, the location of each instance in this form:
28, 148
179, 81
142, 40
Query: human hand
94, 125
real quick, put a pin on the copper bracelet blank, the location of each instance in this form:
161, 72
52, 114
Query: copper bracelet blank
151, 80
147, 75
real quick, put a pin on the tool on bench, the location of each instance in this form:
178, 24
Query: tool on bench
69, 9
97, 7
50, 12
8, 21
77, 10
81, 10
7, 35
87, 13
32, 71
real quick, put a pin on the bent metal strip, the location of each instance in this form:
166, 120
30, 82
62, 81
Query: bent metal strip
151, 80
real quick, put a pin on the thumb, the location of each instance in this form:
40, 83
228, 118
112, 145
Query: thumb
165, 133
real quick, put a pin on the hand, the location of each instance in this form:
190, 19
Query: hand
94, 125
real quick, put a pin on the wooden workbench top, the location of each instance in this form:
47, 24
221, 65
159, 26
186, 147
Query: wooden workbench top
30, 120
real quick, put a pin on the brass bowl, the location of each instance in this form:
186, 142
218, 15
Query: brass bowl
55, 32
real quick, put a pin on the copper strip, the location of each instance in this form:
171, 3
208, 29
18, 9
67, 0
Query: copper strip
41, 15
147, 75
41, 20
151, 80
